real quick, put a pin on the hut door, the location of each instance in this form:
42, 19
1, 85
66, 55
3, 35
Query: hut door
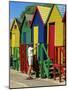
51, 40
23, 59
35, 37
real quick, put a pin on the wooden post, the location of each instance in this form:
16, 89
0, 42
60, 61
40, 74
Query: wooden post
60, 66
54, 74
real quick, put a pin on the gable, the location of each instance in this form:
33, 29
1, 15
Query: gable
15, 25
55, 15
37, 18
25, 25
44, 12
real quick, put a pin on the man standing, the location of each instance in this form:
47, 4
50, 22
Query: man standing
30, 60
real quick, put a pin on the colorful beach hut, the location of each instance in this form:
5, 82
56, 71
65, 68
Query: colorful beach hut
39, 35
25, 40
39, 25
55, 40
55, 35
15, 43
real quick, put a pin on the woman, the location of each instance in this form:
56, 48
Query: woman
30, 60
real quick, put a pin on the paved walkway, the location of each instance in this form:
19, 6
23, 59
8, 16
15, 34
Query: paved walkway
18, 80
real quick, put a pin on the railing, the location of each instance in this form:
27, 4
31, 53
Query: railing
45, 64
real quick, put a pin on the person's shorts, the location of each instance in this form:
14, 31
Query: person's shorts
30, 60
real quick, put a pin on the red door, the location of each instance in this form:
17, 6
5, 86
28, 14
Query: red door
51, 40
23, 59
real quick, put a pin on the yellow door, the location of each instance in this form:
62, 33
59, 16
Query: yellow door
35, 38
13, 40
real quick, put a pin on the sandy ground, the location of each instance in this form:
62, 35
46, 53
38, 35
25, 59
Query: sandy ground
18, 80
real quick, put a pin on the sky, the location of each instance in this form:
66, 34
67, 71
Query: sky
16, 8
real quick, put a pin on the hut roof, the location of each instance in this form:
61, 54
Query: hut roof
61, 9
44, 12
29, 18
18, 23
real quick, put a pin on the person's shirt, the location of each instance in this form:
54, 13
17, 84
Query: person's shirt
30, 51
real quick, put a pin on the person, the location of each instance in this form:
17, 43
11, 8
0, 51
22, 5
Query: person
30, 60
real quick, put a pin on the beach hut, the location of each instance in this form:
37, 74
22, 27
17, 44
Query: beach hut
55, 38
55, 35
25, 39
39, 35
15, 43
39, 25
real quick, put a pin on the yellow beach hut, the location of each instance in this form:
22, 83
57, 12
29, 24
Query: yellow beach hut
15, 43
55, 35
